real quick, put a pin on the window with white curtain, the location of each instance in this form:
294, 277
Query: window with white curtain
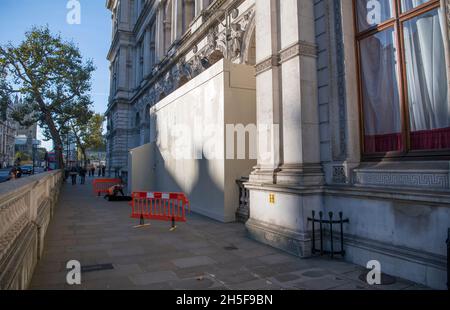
403, 78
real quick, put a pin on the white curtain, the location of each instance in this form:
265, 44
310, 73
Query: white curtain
411, 4
379, 79
429, 102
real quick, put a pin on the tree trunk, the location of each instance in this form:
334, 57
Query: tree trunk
80, 146
56, 141
83, 155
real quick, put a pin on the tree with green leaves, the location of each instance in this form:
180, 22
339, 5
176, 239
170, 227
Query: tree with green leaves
88, 132
52, 79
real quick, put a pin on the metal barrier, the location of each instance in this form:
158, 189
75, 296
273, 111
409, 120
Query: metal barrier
330, 223
101, 186
159, 206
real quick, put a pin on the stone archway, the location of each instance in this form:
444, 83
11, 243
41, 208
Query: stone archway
248, 55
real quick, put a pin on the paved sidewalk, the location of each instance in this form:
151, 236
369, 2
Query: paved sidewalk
201, 254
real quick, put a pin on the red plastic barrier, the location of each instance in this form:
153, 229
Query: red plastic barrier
160, 206
101, 186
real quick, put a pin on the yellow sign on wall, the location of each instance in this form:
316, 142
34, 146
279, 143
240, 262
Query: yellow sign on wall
272, 199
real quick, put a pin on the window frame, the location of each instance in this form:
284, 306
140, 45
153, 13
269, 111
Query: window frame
395, 23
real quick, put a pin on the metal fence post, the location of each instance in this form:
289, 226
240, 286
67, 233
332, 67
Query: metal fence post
331, 233
321, 232
313, 232
341, 221
448, 259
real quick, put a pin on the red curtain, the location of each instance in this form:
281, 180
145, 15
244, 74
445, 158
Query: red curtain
383, 143
436, 139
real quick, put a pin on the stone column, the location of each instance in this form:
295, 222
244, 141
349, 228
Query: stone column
147, 49
111, 79
136, 65
301, 139
152, 47
268, 93
198, 7
122, 69
177, 19
159, 35
281, 191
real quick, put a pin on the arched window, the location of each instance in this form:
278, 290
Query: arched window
147, 113
403, 82
137, 121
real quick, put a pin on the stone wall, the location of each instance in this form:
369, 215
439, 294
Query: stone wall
26, 208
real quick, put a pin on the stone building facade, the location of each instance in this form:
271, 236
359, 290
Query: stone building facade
8, 131
351, 105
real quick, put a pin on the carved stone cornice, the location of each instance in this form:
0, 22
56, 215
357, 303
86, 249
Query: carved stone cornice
300, 48
267, 64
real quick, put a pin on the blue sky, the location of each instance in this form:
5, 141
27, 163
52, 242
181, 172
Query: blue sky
93, 35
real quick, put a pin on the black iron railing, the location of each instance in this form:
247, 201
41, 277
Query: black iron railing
448, 259
323, 225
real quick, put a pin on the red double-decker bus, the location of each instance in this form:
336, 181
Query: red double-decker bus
51, 161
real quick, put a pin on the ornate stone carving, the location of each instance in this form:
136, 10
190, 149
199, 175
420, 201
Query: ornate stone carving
236, 40
222, 44
247, 19
267, 64
196, 66
211, 40
339, 175
426, 180
341, 81
300, 48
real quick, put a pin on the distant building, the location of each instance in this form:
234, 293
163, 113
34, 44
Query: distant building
96, 155
8, 130
70, 150
25, 135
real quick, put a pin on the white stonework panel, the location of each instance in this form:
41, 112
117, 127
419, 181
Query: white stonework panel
199, 111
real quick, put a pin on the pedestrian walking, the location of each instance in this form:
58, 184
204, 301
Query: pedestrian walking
73, 175
100, 171
103, 171
66, 174
82, 174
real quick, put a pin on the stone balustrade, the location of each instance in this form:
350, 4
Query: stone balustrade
243, 211
26, 207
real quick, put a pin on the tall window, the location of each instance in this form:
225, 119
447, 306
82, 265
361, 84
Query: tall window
403, 83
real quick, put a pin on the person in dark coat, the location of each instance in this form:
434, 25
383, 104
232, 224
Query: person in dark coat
73, 175
82, 174
103, 171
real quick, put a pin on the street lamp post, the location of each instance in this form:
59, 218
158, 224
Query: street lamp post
35, 145
67, 151
34, 156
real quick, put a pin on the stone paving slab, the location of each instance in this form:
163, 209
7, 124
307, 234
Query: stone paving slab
200, 254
